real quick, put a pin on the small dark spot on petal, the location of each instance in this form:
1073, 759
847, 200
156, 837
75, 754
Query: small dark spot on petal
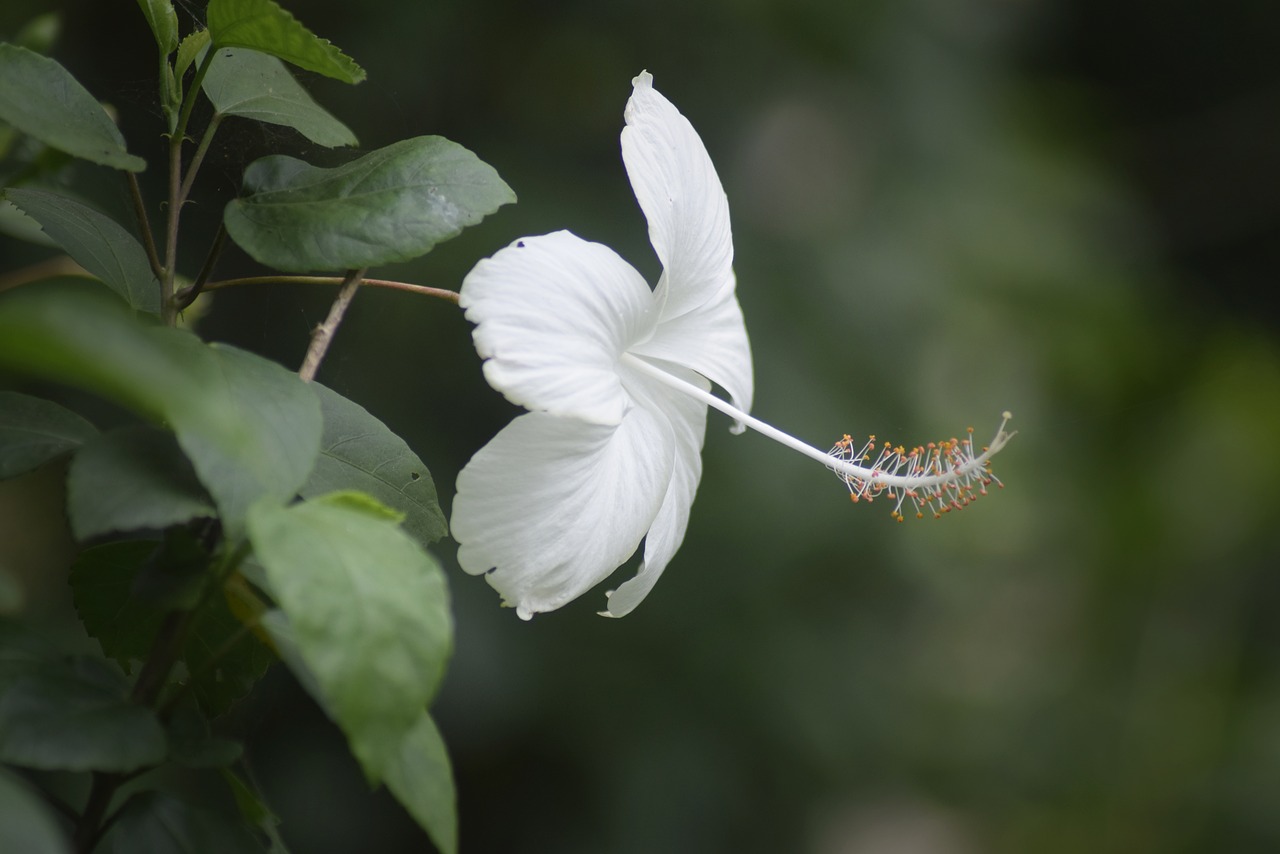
491, 570
519, 244
413, 475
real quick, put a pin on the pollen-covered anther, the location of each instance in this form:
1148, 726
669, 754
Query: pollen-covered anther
939, 477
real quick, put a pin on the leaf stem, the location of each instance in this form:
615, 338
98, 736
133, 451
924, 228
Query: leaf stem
177, 189
144, 225
168, 312
198, 157
187, 296
323, 333
95, 808
439, 293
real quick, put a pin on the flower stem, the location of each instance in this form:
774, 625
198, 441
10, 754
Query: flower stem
842, 467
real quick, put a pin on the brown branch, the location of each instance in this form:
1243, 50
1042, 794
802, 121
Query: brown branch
323, 333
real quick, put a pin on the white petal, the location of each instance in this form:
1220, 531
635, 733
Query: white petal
711, 340
551, 506
682, 198
689, 422
552, 315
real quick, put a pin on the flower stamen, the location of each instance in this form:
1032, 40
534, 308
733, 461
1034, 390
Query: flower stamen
937, 477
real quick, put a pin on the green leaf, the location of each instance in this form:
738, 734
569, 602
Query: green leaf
369, 615
191, 745
421, 779
191, 47
249, 427
224, 657
164, 23
102, 580
392, 204
40, 98
253, 809
255, 86
96, 242
19, 226
162, 823
284, 427
34, 431
77, 717
26, 822
262, 25
133, 479
357, 451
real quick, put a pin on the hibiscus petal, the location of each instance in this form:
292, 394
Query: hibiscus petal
553, 314
682, 199
689, 426
551, 506
712, 340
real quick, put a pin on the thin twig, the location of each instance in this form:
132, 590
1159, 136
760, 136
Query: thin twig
196, 159
187, 296
168, 312
439, 293
168, 305
144, 225
90, 824
323, 334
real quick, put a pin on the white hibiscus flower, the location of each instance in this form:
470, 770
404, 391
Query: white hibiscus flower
616, 377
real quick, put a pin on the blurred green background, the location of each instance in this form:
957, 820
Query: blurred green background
942, 209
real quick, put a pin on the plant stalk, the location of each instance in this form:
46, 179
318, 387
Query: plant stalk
323, 333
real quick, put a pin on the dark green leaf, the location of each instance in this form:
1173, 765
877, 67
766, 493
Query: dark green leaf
133, 479
34, 431
161, 823
77, 718
96, 242
27, 825
254, 810
102, 582
40, 98
164, 23
421, 779
255, 86
249, 427
191, 47
224, 658
19, 226
191, 745
357, 451
262, 25
369, 614
278, 430
392, 204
